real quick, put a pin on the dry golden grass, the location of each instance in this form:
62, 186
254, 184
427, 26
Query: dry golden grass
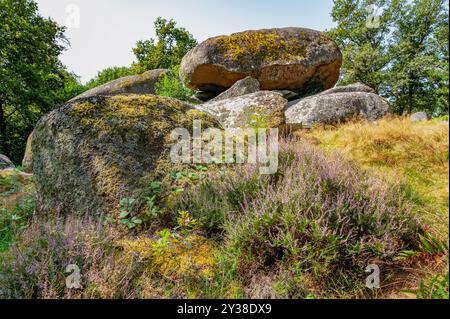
416, 153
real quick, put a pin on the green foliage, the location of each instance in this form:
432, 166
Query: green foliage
433, 287
167, 51
32, 79
108, 75
163, 241
126, 209
153, 211
186, 222
171, 85
14, 221
405, 59
432, 245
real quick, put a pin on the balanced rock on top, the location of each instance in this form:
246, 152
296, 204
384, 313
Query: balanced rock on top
296, 59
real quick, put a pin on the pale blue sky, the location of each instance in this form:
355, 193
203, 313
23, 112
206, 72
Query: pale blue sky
109, 29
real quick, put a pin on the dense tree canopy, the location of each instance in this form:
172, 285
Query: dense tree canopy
32, 79
404, 56
167, 52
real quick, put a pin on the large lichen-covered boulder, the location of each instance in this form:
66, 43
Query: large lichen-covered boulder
5, 162
336, 107
89, 154
133, 84
355, 87
242, 87
263, 109
27, 162
296, 59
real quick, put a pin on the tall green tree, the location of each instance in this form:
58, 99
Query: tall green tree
419, 67
363, 40
167, 50
32, 79
403, 55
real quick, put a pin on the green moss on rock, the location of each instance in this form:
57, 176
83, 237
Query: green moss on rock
89, 154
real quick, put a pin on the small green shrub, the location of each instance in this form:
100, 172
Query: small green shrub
126, 209
171, 85
434, 287
14, 221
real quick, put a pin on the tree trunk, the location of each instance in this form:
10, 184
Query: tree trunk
410, 100
3, 144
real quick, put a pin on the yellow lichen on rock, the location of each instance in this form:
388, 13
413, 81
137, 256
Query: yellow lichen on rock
269, 47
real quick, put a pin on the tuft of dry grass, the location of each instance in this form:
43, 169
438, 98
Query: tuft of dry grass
398, 149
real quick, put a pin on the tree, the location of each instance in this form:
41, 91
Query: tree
167, 52
32, 79
365, 47
419, 72
404, 57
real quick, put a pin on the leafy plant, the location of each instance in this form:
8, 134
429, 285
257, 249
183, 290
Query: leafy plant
163, 242
434, 287
126, 209
152, 209
428, 244
432, 245
15, 221
155, 187
171, 85
185, 221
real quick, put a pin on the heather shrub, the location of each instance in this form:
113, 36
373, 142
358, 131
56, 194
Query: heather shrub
34, 267
221, 196
311, 229
308, 231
